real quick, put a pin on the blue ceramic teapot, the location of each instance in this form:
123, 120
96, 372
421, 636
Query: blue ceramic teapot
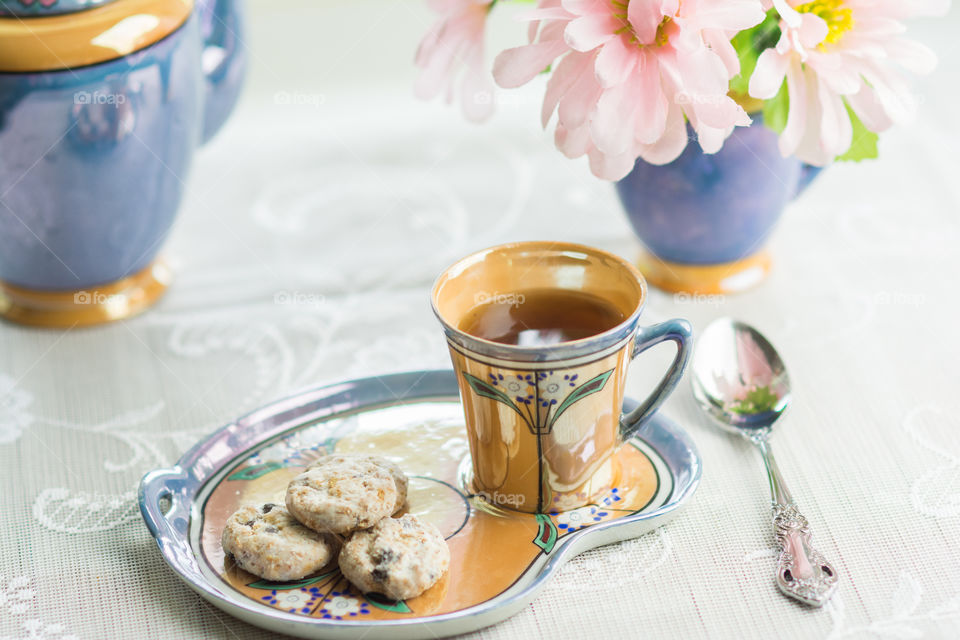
102, 105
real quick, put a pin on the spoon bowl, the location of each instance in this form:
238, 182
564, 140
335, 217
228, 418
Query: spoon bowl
740, 379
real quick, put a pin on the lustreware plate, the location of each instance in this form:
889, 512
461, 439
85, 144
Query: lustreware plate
500, 558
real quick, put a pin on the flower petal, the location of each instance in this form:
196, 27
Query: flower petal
811, 149
589, 32
615, 62
837, 71
789, 15
912, 55
583, 7
612, 122
719, 42
577, 103
645, 17
891, 91
611, 167
710, 138
564, 76
797, 117
722, 112
519, 65
867, 107
813, 30
673, 141
572, 143
732, 15
768, 75
652, 103
836, 132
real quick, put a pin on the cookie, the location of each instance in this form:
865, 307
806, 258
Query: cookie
399, 557
340, 494
398, 475
268, 542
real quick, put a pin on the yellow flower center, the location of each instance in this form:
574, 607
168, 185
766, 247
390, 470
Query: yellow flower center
620, 12
839, 18
662, 37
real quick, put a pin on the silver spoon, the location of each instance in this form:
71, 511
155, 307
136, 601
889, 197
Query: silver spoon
741, 382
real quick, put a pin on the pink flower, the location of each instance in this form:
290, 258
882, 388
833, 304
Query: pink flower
455, 44
631, 73
839, 53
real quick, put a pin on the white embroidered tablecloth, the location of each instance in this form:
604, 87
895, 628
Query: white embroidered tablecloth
313, 227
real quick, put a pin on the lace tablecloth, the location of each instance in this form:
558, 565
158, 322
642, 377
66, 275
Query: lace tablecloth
312, 230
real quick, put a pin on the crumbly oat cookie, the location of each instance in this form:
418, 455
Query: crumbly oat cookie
341, 494
399, 477
268, 542
399, 557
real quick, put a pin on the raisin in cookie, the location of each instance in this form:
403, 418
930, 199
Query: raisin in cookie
399, 477
340, 494
399, 557
267, 541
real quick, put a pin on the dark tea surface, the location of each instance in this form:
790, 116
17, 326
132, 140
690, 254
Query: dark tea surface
539, 317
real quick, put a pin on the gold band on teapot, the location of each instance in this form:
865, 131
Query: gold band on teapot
84, 307
88, 37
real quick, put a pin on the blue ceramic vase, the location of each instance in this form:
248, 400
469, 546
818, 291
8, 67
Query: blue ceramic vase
94, 156
703, 218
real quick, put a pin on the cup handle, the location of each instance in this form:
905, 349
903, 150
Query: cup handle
678, 331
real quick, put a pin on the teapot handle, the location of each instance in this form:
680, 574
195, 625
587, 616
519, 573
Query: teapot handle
223, 59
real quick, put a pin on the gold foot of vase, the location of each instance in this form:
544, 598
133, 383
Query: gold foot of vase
85, 307
705, 279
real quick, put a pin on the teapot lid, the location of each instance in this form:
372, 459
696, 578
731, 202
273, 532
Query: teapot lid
82, 32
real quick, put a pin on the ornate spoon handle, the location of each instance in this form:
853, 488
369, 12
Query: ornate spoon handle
802, 572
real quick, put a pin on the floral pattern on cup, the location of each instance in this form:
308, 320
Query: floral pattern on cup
538, 397
613, 498
340, 605
569, 521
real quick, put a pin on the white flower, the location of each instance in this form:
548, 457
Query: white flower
342, 606
578, 518
837, 57
293, 600
14, 417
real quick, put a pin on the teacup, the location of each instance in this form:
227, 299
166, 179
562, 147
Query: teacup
544, 422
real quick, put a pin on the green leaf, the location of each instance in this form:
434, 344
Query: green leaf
749, 44
546, 533
776, 109
254, 472
487, 390
286, 586
378, 601
757, 400
581, 392
864, 145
